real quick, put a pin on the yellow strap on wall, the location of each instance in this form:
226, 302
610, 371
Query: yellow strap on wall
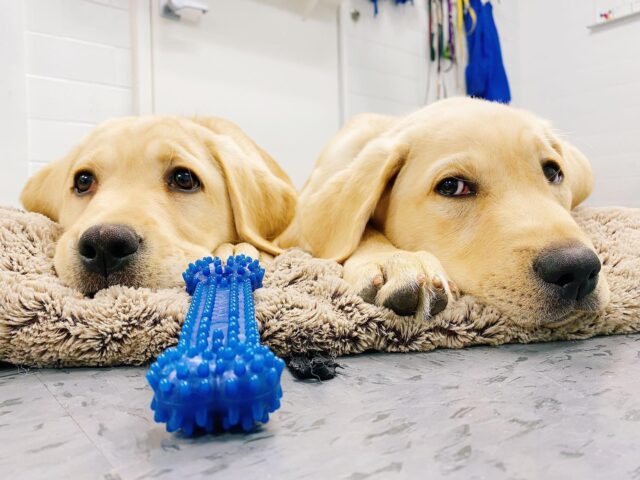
463, 5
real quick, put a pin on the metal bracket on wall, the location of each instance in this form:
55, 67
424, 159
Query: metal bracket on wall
174, 9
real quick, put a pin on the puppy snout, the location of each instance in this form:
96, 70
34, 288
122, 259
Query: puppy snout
107, 248
573, 270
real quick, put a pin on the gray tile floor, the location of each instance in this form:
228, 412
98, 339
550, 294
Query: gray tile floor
561, 410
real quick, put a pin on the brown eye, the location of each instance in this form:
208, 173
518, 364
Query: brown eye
184, 180
84, 182
455, 187
552, 172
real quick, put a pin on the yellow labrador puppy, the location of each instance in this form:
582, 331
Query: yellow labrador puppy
463, 192
140, 198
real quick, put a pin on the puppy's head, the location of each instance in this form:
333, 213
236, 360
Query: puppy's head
488, 190
140, 198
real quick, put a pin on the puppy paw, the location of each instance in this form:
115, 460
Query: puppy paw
409, 283
227, 250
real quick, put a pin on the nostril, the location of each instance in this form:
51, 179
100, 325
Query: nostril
564, 280
594, 274
121, 248
87, 251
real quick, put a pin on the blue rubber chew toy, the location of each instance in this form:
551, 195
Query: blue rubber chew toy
219, 376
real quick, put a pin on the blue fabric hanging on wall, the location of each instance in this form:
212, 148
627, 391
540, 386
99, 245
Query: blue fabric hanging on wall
485, 74
375, 4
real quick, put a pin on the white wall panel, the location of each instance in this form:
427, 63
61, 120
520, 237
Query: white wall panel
49, 140
364, 104
384, 59
70, 101
588, 84
80, 20
385, 64
383, 85
13, 104
78, 71
67, 59
259, 64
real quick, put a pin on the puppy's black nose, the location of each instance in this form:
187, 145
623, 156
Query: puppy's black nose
106, 248
574, 269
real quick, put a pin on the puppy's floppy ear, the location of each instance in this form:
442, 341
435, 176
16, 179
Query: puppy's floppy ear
263, 200
578, 173
44, 192
332, 224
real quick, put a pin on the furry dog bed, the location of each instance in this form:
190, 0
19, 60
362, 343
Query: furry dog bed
304, 308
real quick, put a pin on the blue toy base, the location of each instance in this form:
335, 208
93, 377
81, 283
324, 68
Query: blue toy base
218, 376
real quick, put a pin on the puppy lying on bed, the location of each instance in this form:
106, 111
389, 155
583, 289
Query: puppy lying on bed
140, 198
463, 192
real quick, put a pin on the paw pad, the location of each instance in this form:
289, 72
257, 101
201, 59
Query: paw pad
404, 301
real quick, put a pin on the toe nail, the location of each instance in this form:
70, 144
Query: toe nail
421, 278
377, 281
437, 281
439, 303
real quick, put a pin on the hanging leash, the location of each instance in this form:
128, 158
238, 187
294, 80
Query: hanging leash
452, 33
439, 49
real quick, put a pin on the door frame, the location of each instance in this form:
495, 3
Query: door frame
142, 56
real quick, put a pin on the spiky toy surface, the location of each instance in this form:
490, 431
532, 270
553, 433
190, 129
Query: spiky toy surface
219, 376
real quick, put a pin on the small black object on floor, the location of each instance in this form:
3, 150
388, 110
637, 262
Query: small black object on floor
318, 367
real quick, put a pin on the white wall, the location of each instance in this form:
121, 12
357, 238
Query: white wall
384, 60
587, 83
265, 64
78, 71
260, 64
69, 68
13, 104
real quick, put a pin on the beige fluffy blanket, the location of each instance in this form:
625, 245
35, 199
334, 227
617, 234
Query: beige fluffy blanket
305, 307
